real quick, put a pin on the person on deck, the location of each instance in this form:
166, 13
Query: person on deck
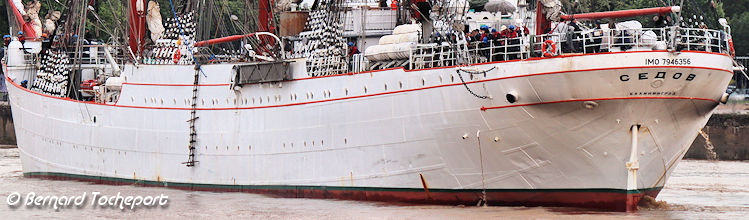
46, 43
21, 38
476, 35
6, 39
352, 49
484, 46
438, 39
513, 42
2, 55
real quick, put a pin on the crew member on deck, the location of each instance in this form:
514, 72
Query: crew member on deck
21, 38
6, 39
2, 55
46, 43
352, 49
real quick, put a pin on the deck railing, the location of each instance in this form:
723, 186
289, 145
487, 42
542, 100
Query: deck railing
581, 42
595, 41
91, 55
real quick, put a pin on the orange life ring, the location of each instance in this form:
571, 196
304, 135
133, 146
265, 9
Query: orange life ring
730, 43
176, 57
549, 47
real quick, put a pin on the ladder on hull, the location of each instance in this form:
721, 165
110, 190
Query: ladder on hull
193, 117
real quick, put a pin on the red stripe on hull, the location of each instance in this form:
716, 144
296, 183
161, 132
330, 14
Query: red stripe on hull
600, 199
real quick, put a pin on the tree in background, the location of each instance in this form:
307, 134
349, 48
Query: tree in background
477, 5
740, 32
738, 17
736, 11
3, 19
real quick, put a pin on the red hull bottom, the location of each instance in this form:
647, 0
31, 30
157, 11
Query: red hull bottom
601, 199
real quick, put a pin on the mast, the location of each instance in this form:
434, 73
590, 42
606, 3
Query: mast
265, 17
541, 22
137, 25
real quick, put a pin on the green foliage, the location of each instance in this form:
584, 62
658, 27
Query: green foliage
113, 14
477, 5
740, 33
4, 28
736, 11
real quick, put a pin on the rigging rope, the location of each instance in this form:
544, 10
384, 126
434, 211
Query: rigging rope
189, 47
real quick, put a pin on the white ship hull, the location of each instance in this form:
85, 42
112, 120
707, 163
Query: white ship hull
390, 135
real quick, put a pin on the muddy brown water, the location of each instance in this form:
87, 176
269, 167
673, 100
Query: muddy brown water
696, 190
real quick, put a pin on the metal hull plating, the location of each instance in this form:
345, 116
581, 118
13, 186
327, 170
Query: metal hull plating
392, 135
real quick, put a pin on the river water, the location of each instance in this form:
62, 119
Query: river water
696, 190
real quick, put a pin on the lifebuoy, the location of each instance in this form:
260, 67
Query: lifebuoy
549, 48
176, 57
730, 43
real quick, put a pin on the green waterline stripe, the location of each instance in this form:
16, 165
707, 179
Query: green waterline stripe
306, 187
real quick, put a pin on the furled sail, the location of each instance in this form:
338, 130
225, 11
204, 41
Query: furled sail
153, 19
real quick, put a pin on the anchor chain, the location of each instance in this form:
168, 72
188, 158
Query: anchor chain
473, 73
